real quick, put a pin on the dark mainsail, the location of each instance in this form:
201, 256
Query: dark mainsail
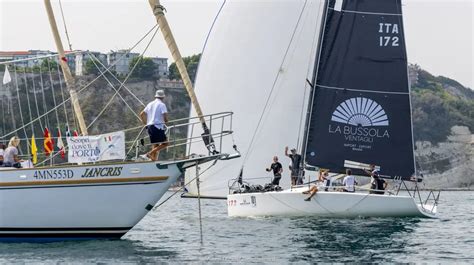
360, 107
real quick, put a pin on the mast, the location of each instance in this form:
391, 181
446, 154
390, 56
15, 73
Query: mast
70, 82
314, 79
158, 11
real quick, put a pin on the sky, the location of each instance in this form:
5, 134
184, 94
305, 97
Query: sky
439, 33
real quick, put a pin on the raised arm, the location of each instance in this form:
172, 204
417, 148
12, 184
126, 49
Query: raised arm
286, 151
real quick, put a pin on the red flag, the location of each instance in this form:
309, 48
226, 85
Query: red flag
75, 134
64, 59
48, 142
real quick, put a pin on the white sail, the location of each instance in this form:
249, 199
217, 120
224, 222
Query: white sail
238, 67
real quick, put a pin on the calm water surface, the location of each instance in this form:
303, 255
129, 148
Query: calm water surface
171, 234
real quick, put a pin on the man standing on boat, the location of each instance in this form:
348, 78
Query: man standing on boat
277, 169
296, 177
377, 183
349, 182
155, 117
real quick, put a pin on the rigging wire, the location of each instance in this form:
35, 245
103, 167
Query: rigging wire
125, 80
45, 108
273, 86
208, 35
116, 79
20, 109
36, 101
311, 102
62, 94
308, 72
3, 115
86, 85
113, 87
53, 93
12, 113
65, 27
25, 79
185, 184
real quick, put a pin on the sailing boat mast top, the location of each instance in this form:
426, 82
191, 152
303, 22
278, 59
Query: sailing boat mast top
64, 66
158, 11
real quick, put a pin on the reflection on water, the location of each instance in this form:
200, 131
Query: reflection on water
110, 251
171, 234
356, 239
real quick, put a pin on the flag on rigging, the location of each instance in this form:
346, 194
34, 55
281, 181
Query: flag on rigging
60, 144
48, 142
68, 132
6, 77
34, 150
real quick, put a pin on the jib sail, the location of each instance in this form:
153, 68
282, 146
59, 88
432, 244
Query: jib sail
360, 107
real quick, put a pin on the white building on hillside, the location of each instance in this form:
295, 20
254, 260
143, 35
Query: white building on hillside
121, 60
161, 66
82, 58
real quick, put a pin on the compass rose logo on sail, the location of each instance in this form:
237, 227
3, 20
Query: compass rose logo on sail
360, 112
360, 121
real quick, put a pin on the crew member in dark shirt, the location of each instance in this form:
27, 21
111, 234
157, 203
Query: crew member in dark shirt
296, 174
277, 170
377, 183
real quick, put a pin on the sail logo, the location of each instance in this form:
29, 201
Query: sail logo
360, 112
360, 121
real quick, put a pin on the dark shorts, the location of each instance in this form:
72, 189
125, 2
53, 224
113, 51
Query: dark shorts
276, 180
156, 135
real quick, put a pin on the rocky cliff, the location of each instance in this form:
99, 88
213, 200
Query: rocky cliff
448, 164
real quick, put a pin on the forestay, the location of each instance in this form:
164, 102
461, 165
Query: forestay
361, 104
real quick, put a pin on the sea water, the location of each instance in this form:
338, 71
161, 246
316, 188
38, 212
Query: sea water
171, 234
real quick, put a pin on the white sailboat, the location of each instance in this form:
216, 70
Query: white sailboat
358, 109
100, 198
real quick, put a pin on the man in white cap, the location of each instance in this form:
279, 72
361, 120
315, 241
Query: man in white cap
155, 117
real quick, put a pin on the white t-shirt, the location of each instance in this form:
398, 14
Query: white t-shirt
155, 111
10, 153
349, 182
2, 152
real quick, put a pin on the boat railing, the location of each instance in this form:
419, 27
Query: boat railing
338, 188
220, 126
234, 185
429, 203
181, 132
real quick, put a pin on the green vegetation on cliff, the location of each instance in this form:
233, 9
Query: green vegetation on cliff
191, 63
439, 103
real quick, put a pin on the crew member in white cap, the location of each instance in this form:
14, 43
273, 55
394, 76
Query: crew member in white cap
155, 117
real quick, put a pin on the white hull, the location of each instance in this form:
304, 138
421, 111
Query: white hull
324, 204
103, 201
